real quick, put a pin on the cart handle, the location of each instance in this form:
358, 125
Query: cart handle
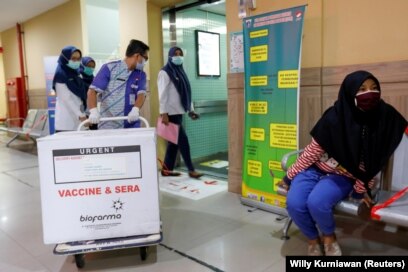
112, 119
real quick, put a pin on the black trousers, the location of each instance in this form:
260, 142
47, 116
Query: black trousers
183, 145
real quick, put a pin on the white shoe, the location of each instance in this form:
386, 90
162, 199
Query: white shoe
314, 250
332, 249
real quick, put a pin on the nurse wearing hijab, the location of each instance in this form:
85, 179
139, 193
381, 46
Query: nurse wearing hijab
70, 90
351, 143
175, 100
86, 70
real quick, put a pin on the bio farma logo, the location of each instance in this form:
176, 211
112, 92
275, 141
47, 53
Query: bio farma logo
117, 206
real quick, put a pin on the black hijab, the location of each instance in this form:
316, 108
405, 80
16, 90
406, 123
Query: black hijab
340, 130
179, 79
64, 74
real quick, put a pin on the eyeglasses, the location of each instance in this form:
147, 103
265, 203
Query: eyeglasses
145, 56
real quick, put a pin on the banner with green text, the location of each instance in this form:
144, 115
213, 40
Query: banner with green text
272, 51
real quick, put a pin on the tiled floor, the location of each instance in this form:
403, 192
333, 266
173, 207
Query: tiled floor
213, 234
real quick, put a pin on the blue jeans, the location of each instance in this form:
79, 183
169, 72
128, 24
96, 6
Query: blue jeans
311, 199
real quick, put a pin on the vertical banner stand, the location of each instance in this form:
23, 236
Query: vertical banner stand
272, 54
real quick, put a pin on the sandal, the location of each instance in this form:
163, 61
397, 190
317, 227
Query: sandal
195, 175
168, 173
165, 172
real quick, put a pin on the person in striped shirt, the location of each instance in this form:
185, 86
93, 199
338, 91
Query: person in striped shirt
351, 143
122, 88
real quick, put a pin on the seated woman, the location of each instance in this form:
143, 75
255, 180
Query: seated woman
351, 143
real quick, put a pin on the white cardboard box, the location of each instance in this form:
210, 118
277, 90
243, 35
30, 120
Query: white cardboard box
98, 184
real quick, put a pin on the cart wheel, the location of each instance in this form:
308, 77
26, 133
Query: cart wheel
80, 260
143, 253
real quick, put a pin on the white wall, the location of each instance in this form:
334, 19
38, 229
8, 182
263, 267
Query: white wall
102, 28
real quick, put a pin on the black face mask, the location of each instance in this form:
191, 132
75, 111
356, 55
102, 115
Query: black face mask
367, 100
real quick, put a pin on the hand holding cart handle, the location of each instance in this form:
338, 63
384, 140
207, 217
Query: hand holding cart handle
113, 119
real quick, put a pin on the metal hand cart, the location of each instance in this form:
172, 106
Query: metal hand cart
80, 248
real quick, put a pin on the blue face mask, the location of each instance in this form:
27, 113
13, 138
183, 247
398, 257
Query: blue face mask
139, 66
88, 71
177, 60
73, 64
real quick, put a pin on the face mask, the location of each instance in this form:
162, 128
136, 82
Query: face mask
367, 100
177, 60
73, 64
88, 70
139, 66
